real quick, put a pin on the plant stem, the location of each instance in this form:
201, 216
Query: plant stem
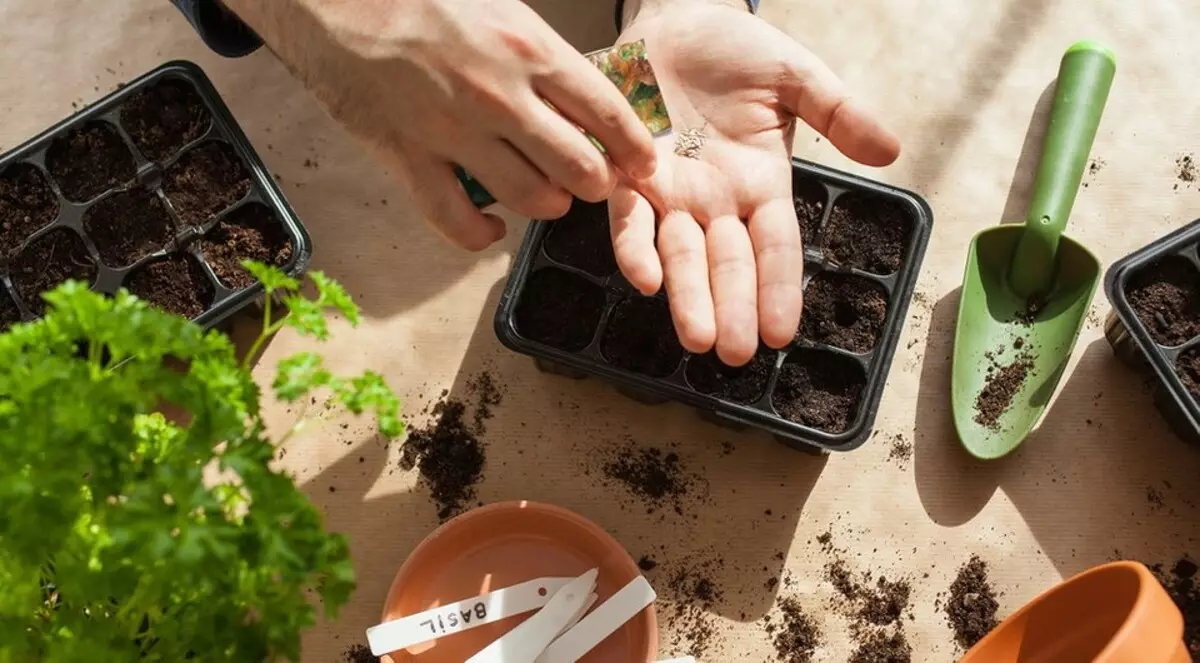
262, 336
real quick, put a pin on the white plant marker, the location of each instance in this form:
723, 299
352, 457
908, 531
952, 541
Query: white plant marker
600, 623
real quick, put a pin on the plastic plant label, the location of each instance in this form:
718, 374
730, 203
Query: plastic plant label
600, 623
463, 615
628, 67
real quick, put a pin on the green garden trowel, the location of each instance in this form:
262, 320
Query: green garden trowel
1027, 288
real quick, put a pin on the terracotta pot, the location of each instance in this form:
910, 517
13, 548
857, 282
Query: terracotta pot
1113, 613
503, 544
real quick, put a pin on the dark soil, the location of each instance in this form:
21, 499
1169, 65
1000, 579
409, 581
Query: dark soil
27, 204
89, 161
1185, 168
176, 284
559, 309
877, 608
581, 239
9, 314
646, 563
641, 338
127, 226
999, 389
798, 638
204, 181
868, 233
901, 449
164, 117
972, 605
656, 477
809, 198
251, 232
1180, 583
1166, 297
882, 647
1188, 368
359, 654
743, 384
819, 389
57, 256
844, 310
695, 594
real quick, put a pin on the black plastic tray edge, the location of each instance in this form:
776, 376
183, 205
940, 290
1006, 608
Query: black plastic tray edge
1172, 399
811, 439
261, 177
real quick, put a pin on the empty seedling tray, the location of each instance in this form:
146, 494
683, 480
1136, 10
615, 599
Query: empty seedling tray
567, 306
1155, 322
154, 188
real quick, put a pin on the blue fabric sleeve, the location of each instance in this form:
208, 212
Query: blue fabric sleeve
219, 28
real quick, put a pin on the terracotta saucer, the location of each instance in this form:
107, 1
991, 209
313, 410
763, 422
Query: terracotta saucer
505, 544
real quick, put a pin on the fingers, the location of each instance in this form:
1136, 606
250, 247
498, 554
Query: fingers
733, 282
681, 246
444, 204
631, 222
515, 182
775, 234
558, 149
585, 95
816, 95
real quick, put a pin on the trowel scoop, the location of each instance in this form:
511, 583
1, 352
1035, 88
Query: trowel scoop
1027, 288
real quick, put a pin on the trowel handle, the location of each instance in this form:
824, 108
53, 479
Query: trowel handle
1084, 79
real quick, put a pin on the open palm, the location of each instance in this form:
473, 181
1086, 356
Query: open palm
716, 223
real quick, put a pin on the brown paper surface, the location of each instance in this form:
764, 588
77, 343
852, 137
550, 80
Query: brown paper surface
959, 82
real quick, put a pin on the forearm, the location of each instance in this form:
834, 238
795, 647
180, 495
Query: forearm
630, 10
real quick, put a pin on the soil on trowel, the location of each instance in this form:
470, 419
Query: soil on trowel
868, 233
581, 239
251, 232
449, 451
1000, 387
359, 654
844, 310
57, 256
797, 638
972, 604
204, 181
819, 389
89, 161
176, 284
1166, 297
164, 117
641, 338
127, 226
809, 198
27, 204
1180, 582
559, 309
707, 374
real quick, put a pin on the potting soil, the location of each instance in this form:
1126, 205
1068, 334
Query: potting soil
972, 605
797, 638
1002, 384
1180, 582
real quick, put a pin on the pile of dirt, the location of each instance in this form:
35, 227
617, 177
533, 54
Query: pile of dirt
359, 654
972, 604
1180, 583
657, 478
1185, 169
693, 592
796, 640
901, 449
877, 608
883, 647
1002, 384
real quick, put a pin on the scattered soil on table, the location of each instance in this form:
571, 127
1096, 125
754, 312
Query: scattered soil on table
707, 374
1187, 366
176, 284
882, 647
819, 389
1166, 297
89, 160
693, 593
27, 204
972, 605
128, 226
1000, 387
204, 181
796, 640
9, 313
449, 451
559, 309
1185, 169
657, 478
809, 198
646, 563
164, 117
1154, 498
844, 310
581, 239
1180, 582
877, 608
868, 232
251, 232
1093, 169
901, 449
641, 338
57, 256
359, 654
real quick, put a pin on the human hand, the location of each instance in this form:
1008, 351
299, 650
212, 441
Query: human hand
728, 243
428, 85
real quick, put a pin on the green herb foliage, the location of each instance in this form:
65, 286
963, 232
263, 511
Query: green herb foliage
129, 536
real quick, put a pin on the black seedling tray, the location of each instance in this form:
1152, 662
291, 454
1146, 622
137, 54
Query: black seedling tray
149, 181
1155, 343
590, 290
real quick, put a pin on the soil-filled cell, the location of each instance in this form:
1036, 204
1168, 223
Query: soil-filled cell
581, 239
641, 338
559, 309
1165, 295
809, 198
251, 232
176, 284
707, 374
128, 226
164, 117
868, 232
204, 181
9, 314
1187, 367
819, 389
57, 256
843, 310
89, 160
27, 204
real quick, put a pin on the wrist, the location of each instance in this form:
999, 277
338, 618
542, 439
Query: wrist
629, 11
